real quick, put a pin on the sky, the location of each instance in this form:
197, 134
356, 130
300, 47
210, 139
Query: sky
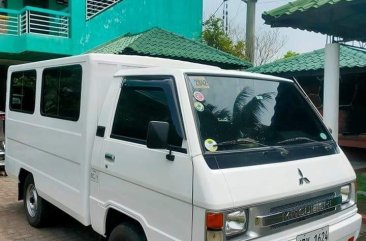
296, 40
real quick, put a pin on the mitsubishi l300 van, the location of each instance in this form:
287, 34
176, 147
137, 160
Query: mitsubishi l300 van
144, 148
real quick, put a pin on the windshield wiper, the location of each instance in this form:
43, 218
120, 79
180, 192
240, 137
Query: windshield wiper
239, 141
302, 138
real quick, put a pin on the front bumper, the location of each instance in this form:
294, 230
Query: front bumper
342, 226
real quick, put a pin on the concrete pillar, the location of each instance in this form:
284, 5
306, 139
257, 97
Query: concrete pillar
331, 88
250, 31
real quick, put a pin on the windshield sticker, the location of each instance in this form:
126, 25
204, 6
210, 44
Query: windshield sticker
199, 106
211, 145
200, 82
323, 136
199, 96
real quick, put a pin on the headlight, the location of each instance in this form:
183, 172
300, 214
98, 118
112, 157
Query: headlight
235, 222
346, 193
219, 225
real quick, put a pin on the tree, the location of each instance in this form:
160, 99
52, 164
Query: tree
290, 54
267, 45
214, 35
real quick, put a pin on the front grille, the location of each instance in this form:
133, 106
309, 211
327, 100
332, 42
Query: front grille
302, 202
298, 211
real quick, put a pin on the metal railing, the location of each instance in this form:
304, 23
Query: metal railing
34, 20
9, 22
94, 7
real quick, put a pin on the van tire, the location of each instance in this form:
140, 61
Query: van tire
126, 232
35, 207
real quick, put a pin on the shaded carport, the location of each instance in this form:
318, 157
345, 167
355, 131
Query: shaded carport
344, 20
308, 70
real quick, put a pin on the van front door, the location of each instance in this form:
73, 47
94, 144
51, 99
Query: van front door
142, 182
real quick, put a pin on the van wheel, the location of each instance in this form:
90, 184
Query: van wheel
35, 206
126, 232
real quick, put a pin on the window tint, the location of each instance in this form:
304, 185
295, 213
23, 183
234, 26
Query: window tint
138, 106
241, 113
61, 92
23, 91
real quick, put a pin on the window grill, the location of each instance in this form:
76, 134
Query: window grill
40, 23
35, 21
9, 24
94, 7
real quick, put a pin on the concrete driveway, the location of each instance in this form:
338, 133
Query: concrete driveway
14, 226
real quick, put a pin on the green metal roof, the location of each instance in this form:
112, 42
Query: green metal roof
160, 43
341, 18
350, 57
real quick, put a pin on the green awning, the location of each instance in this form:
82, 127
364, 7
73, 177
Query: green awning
351, 58
340, 18
160, 43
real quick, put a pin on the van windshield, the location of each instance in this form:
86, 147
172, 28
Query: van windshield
235, 113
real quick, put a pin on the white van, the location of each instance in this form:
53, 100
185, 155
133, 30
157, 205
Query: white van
2, 142
150, 149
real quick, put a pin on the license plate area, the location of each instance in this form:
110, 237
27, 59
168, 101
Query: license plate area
321, 234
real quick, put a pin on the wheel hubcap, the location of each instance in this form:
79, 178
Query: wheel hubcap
31, 200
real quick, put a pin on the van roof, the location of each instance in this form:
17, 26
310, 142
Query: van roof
218, 72
147, 64
130, 60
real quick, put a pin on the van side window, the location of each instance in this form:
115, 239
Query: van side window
61, 92
23, 91
137, 106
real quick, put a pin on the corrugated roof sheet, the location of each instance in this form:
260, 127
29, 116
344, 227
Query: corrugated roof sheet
341, 18
350, 57
300, 6
160, 43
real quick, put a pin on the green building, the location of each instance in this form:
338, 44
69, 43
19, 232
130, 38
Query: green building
33, 30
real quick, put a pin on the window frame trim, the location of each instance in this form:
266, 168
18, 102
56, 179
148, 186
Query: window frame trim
152, 81
42, 96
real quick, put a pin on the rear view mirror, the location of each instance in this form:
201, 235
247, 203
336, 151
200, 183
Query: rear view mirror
157, 135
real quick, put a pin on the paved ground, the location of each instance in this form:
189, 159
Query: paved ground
14, 227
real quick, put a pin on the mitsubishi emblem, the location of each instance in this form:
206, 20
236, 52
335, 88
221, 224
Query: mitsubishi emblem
302, 178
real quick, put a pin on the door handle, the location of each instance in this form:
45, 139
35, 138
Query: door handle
109, 157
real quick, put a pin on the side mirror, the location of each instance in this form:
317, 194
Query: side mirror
157, 135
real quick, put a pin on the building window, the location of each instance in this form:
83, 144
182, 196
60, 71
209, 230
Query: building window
94, 7
2, 4
23, 91
61, 92
137, 106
